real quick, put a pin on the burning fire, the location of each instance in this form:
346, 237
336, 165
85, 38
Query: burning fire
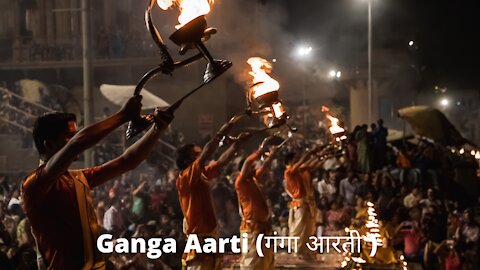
278, 110
260, 70
189, 9
335, 128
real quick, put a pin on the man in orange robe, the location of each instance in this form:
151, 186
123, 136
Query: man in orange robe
301, 220
254, 211
57, 200
193, 186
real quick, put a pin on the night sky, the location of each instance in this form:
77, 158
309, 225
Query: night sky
446, 33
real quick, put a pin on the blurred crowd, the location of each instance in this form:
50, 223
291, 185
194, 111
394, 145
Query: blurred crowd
415, 186
17, 114
107, 45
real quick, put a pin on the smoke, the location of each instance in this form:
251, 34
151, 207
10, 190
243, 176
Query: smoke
247, 29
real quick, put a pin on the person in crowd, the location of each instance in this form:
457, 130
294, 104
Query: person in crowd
113, 220
54, 196
379, 135
328, 187
349, 186
193, 187
413, 239
412, 199
363, 150
434, 229
468, 239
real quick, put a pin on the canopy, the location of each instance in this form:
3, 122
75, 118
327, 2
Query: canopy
119, 94
431, 123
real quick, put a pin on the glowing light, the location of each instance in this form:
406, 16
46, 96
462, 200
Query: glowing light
338, 74
278, 110
189, 9
477, 155
335, 128
304, 50
332, 73
444, 102
462, 151
264, 83
411, 43
472, 152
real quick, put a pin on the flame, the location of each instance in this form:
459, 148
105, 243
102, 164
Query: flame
260, 70
278, 110
189, 9
335, 128
477, 155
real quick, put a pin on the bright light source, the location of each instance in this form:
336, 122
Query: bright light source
332, 73
444, 102
274, 60
411, 43
339, 74
304, 50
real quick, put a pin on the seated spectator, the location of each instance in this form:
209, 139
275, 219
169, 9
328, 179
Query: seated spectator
468, 236
328, 187
348, 187
413, 198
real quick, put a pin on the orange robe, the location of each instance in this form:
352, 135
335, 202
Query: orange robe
198, 211
301, 220
63, 219
255, 220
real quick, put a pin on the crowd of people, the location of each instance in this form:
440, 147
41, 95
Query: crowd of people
412, 186
107, 45
20, 121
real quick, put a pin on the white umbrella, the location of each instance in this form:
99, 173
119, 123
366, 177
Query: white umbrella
119, 94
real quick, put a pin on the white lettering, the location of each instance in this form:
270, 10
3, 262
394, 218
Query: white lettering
235, 244
193, 244
122, 246
153, 248
170, 246
138, 245
210, 245
105, 247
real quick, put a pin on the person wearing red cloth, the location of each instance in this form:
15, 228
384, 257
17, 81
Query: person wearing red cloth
193, 187
298, 185
254, 210
57, 200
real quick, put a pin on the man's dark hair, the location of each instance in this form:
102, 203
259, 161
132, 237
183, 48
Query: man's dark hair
289, 157
114, 200
49, 127
183, 155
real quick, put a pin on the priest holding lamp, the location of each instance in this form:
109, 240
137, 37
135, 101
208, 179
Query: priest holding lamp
57, 200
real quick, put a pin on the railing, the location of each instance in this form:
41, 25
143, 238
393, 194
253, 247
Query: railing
26, 100
15, 124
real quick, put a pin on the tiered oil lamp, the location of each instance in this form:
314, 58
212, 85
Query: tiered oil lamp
190, 34
263, 99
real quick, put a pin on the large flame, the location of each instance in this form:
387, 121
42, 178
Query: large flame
335, 128
189, 9
260, 70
